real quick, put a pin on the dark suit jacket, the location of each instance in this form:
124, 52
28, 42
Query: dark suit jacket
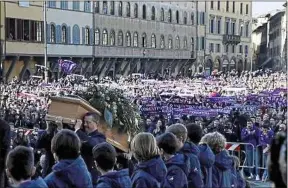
5, 141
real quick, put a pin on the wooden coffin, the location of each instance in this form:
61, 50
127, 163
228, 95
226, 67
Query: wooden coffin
71, 109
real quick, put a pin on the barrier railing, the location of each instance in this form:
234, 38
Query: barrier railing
261, 154
236, 149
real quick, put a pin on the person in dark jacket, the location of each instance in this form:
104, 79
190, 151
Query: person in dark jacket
5, 141
20, 169
44, 142
150, 170
191, 150
90, 137
205, 155
105, 159
70, 169
177, 164
222, 169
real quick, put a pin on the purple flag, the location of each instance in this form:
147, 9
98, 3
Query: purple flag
67, 66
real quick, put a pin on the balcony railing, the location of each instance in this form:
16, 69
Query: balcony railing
231, 39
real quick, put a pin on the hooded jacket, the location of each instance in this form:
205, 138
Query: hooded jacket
149, 174
194, 177
177, 171
207, 159
39, 183
68, 174
222, 174
119, 179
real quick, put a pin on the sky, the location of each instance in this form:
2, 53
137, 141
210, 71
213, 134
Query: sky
259, 8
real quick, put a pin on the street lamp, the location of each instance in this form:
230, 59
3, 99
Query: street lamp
246, 20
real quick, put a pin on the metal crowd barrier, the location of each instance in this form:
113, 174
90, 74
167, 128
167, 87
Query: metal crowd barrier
261, 160
236, 149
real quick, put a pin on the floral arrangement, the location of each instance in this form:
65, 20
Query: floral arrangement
125, 113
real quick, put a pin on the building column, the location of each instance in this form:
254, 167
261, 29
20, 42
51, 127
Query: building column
11, 67
87, 66
26, 61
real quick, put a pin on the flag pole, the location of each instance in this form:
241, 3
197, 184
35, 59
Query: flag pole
45, 42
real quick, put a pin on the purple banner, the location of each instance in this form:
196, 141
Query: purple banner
67, 66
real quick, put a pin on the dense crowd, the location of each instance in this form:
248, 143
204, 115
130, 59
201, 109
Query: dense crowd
179, 147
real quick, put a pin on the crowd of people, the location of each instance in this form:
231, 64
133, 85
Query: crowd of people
179, 146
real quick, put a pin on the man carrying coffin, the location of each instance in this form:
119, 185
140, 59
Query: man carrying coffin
90, 137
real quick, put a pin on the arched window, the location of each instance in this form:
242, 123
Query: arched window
185, 43
170, 43
53, 33
120, 38
112, 38
105, 37
192, 18
97, 37
153, 13
87, 36
153, 41
185, 18
76, 34
162, 15
177, 45
128, 9
192, 44
135, 39
177, 17
162, 42
169, 15
120, 9
144, 12
64, 34
135, 10
144, 40
128, 39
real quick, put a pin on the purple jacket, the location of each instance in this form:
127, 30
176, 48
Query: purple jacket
207, 159
222, 175
252, 137
266, 139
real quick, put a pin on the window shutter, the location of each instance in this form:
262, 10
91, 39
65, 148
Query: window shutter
69, 35
58, 34
83, 35
48, 29
91, 36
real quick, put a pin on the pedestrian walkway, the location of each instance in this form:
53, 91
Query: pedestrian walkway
260, 184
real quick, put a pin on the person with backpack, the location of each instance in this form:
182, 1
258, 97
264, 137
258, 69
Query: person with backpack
187, 148
150, 170
177, 164
104, 156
